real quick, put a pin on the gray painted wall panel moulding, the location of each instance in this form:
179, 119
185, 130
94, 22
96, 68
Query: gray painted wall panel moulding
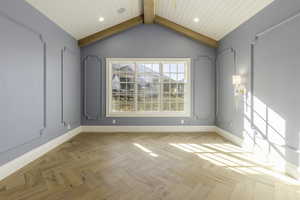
70, 87
206, 112
221, 53
91, 97
30, 79
30, 75
226, 68
256, 39
268, 52
274, 52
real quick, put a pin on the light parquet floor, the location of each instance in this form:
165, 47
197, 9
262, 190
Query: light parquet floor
148, 166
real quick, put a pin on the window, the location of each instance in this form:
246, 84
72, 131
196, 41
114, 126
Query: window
148, 87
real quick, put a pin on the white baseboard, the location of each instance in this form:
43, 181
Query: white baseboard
290, 169
18, 163
169, 129
229, 136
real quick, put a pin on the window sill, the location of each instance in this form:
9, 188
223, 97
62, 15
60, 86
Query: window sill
149, 115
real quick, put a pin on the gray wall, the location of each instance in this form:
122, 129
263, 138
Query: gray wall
149, 41
40, 77
37, 100
275, 79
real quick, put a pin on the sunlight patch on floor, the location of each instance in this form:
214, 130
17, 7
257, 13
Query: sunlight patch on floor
233, 158
145, 150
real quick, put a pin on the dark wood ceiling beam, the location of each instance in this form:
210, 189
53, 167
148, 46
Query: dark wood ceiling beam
185, 31
111, 31
149, 11
139, 20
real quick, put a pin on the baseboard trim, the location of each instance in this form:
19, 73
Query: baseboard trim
20, 162
229, 136
290, 169
101, 129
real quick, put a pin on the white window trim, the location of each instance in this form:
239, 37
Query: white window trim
188, 95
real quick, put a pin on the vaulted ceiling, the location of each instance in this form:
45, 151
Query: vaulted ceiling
80, 18
212, 18
217, 18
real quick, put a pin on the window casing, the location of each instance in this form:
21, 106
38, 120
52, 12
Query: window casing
143, 87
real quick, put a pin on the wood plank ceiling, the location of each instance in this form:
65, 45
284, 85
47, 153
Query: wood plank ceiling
216, 18
80, 18
203, 20
111, 31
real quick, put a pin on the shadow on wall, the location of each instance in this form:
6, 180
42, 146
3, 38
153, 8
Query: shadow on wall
265, 133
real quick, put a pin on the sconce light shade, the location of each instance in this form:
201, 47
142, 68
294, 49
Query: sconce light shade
236, 80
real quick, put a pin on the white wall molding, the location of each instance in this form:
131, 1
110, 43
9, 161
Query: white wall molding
290, 169
20, 162
229, 136
41, 59
85, 68
170, 129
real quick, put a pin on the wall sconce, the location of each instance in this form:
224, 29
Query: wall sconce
239, 88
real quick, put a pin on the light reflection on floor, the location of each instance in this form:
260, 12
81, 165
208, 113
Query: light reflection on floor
145, 150
234, 158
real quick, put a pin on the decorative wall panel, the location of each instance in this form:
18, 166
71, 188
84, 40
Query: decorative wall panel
276, 83
22, 84
70, 74
204, 66
226, 103
91, 68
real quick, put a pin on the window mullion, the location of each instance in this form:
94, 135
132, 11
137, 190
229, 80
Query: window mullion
126, 93
151, 89
177, 91
144, 91
135, 87
170, 91
161, 80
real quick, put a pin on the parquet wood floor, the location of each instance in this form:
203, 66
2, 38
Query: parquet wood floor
148, 166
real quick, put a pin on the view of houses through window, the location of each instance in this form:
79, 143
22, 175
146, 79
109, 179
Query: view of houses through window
158, 87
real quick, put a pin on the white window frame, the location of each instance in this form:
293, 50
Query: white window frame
187, 94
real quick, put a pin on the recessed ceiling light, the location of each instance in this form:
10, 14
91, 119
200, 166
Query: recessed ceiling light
101, 19
196, 19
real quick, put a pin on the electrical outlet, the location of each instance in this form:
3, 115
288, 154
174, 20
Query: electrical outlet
182, 121
42, 132
114, 121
